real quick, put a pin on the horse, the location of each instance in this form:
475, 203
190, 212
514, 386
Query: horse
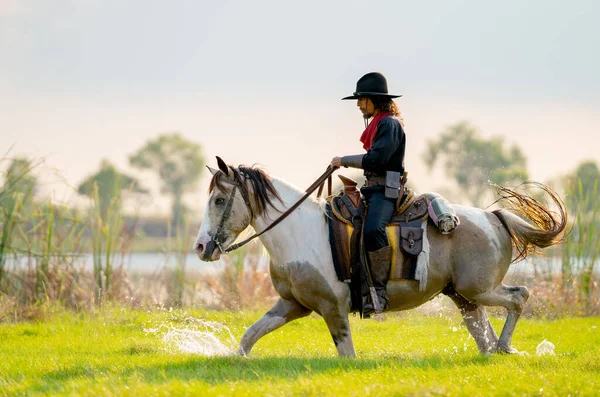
468, 265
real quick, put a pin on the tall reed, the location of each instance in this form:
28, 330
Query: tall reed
581, 251
41, 245
8, 219
16, 189
244, 282
179, 245
110, 239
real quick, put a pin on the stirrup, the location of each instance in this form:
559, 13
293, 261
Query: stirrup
369, 308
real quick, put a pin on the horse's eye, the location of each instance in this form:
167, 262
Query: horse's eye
219, 201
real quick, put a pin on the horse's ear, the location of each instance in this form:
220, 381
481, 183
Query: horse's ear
212, 170
222, 166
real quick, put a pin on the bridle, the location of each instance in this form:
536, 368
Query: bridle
219, 238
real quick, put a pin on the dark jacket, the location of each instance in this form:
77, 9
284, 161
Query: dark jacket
387, 151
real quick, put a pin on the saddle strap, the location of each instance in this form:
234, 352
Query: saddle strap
357, 266
356, 212
329, 187
340, 260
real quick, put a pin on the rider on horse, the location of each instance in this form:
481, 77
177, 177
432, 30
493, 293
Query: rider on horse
383, 165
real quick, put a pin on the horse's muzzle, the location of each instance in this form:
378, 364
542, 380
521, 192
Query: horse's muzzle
206, 249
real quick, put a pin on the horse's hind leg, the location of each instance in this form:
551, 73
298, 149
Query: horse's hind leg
513, 299
280, 314
476, 320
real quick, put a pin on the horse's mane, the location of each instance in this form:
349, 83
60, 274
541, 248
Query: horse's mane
262, 186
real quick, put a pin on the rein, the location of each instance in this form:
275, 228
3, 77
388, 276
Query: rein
319, 183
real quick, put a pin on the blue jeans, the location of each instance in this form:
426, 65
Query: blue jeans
379, 213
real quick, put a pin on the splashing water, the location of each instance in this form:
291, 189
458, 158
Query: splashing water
545, 347
206, 338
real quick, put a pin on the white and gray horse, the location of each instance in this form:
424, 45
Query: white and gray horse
467, 265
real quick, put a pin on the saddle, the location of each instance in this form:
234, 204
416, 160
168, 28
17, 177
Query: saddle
406, 231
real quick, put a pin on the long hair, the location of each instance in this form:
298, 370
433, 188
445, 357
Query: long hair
386, 104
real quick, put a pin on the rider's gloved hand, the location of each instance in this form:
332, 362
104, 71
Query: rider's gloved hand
336, 162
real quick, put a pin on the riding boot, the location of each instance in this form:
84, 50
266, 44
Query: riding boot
380, 263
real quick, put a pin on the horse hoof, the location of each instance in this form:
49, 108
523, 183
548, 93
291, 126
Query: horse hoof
489, 351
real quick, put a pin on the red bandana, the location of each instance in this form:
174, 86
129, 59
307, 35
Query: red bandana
368, 135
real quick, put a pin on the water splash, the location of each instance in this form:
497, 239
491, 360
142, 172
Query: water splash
545, 347
197, 336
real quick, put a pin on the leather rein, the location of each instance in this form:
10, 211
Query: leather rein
218, 238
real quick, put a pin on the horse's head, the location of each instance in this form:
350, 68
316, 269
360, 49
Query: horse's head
236, 197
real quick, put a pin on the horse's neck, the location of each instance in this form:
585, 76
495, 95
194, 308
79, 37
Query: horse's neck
298, 236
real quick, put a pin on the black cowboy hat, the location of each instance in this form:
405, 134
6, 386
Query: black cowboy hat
371, 84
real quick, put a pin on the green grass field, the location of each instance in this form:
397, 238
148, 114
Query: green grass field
113, 353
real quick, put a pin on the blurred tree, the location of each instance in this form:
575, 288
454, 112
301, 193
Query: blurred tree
179, 164
19, 184
473, 161
110, 184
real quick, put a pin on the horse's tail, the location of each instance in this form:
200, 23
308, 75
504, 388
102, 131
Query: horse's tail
530, 223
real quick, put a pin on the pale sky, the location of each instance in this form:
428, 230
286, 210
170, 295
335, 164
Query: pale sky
261, 81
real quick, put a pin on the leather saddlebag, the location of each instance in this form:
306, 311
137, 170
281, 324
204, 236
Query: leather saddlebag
412, 239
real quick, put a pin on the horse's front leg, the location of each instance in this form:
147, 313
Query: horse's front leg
280, 314
339, 326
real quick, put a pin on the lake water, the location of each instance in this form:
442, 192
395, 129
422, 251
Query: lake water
146, 262
152, 261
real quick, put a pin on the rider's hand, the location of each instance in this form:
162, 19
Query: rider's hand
336, 162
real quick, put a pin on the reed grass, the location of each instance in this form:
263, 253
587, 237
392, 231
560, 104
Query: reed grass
179, 243
244, 281
41, 246
581, 251
9, 222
